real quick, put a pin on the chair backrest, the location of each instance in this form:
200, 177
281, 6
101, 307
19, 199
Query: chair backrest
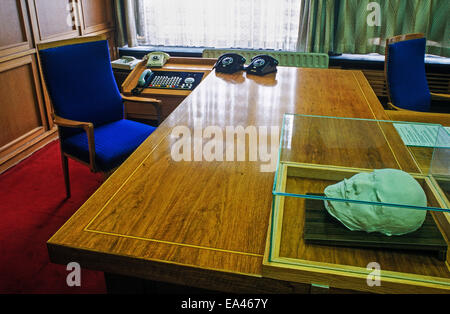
285, 58
80, 81
405, 72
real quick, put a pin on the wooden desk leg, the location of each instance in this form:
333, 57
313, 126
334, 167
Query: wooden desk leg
117, 284
65, 168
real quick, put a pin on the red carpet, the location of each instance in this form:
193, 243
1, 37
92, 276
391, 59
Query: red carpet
32, 208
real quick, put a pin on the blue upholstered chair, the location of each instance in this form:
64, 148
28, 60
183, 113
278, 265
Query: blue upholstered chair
405, 73
87, 105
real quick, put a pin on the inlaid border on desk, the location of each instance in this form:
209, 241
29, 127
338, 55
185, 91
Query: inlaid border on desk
78, 239
87, 227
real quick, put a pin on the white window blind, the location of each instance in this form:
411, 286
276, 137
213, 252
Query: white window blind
265, 24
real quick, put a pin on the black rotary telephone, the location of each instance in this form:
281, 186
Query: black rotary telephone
230, 63
262, 65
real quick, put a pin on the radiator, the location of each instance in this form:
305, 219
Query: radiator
284, 58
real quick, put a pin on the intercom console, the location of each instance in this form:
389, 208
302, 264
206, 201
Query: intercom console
167, 80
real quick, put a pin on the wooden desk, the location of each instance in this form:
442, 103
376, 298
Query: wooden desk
204, 224
170, 98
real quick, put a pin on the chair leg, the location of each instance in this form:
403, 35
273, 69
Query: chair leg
65, 168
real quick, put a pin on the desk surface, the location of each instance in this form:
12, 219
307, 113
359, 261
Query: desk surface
156, 218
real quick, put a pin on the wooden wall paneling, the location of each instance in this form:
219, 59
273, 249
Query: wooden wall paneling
14, 31
96, 15
10, 148
22, 114
24, 147
21, 102
54, 20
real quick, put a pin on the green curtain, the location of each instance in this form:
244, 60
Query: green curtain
348, 26
317, 26
120, 21
126, 22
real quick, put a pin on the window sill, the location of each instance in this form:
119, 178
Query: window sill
435, 64
375, 57
141, 51
366, 61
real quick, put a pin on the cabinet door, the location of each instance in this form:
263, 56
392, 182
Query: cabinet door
14, 33
97, 15
54, 20
22, 115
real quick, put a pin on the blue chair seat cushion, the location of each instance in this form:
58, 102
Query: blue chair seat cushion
114, 142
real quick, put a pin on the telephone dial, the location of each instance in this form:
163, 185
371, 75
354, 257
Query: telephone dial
156, 59
262, 65
229, 63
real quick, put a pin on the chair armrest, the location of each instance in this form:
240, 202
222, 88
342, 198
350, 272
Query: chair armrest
155, 102
140, 99
442, 96
71, 123
393, 107
88, 128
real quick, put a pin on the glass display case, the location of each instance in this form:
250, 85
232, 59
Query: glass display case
361, 204
440, 164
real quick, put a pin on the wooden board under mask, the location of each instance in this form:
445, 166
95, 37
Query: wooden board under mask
322, 228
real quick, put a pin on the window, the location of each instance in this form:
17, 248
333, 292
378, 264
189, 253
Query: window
265, 24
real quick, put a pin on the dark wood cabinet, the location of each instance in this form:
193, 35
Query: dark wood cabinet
25, 109
15, 34
54, 20
97, 15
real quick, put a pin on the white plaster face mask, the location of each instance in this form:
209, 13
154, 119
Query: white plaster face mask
384, 185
